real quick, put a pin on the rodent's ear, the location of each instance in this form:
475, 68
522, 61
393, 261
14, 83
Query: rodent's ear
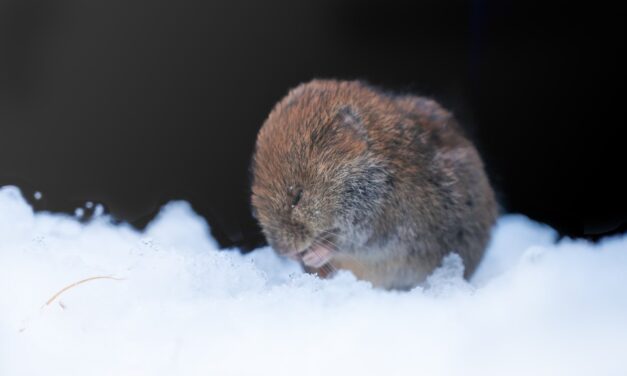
349, 119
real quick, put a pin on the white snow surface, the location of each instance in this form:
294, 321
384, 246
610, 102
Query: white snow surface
180, 306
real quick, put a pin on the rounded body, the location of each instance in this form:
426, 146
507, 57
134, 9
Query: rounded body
384, 185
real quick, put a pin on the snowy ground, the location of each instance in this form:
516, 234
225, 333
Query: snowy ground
180, 307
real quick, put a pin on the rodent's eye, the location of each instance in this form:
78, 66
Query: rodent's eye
298, 194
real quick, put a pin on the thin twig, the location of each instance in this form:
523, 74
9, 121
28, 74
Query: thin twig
55, 296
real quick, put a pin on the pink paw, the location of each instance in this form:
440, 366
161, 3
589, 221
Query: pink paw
317, 256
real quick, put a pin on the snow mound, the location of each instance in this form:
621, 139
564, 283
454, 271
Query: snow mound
166, 302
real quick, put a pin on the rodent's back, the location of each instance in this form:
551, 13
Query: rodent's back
462, 206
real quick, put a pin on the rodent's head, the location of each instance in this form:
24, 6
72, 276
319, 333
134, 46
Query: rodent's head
315, 178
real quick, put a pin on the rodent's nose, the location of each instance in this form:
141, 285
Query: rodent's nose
284, 247
279, 246
287, 239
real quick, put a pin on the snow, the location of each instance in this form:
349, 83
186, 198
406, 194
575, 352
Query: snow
166, 302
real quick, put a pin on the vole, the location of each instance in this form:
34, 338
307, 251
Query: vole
385, 185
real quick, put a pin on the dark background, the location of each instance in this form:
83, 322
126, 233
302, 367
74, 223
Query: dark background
132, 103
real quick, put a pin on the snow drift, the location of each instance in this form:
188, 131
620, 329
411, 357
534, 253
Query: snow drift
166, 302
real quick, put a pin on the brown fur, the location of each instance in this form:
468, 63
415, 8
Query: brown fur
388, 182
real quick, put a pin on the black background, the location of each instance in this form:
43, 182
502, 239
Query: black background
132, 103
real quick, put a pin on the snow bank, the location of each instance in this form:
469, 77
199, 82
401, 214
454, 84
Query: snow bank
171, 304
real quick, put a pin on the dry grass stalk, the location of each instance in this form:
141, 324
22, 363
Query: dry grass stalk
55, 296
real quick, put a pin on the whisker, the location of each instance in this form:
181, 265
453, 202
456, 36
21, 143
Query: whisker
334, 235
353, 257
329, 242
327, 245
330, 266
327, 268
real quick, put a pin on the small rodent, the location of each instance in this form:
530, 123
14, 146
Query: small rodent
384, 185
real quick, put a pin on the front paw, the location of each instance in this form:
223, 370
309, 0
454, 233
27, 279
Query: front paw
316, 257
